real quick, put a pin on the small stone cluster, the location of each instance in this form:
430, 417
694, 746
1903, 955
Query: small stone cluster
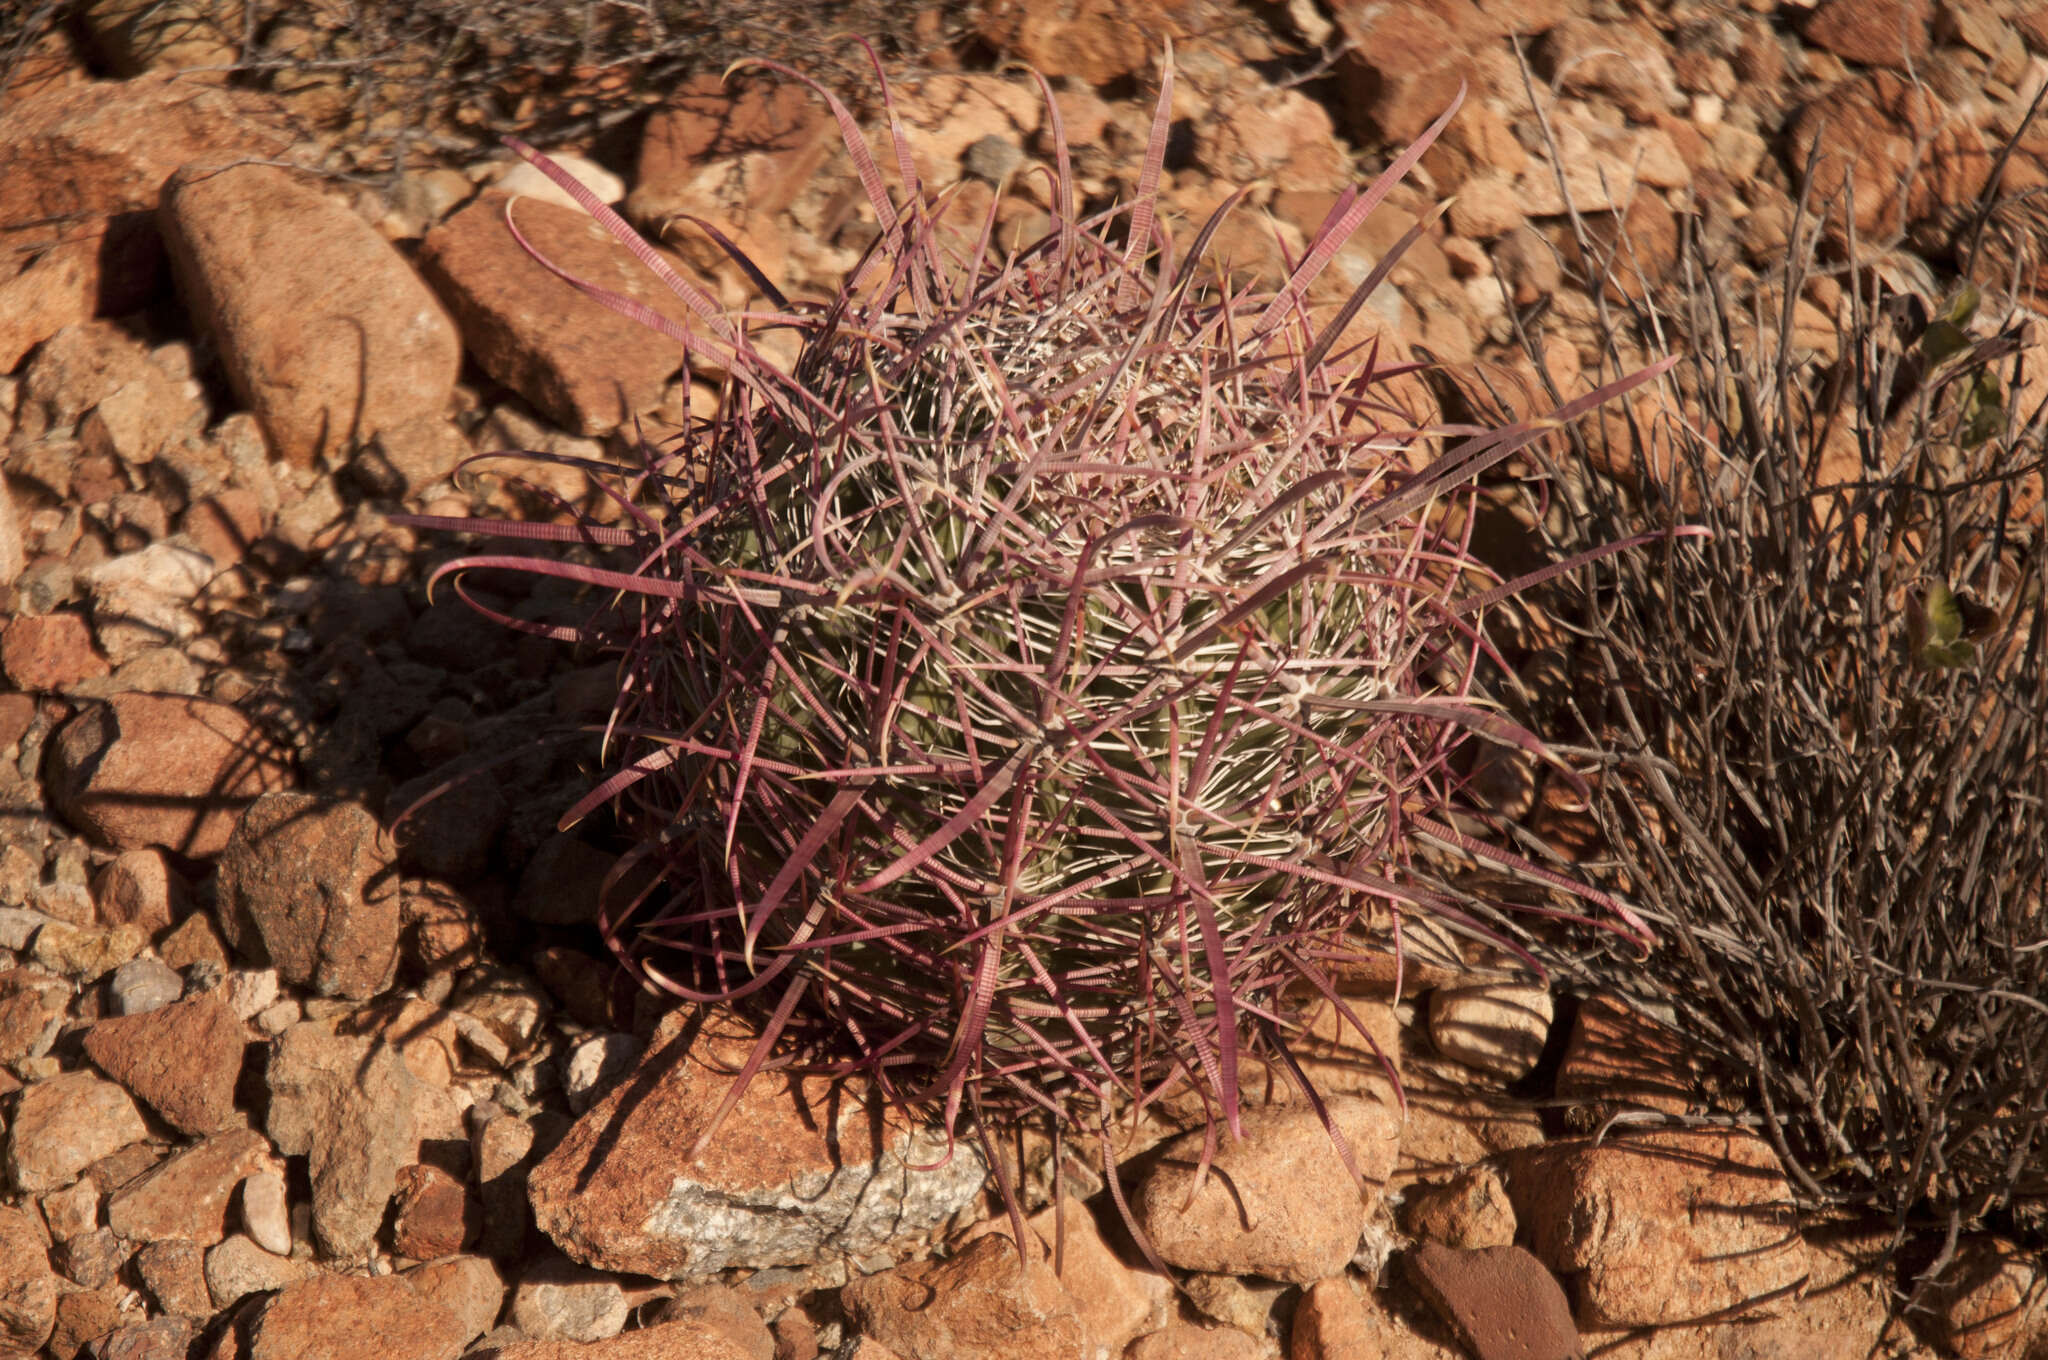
270, 1083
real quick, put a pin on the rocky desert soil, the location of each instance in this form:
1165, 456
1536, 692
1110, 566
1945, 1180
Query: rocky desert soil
283, 1074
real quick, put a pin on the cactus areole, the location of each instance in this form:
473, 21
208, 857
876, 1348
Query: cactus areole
1026, 698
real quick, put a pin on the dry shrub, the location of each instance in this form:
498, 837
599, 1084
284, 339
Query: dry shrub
1824, 730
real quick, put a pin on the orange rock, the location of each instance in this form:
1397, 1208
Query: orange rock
1628, 62
1619, 1057
1096, 41
1337, 1319
790, 1169
1664, 1227
185, 1198
1466, 1210
306, 884
1277, 1202
1901, 150
1406, 61
539, 335
324, 331
340, 1317
1989, 1301
49, 651
182, 1060
1891, 33
1116, 1301
980, 1305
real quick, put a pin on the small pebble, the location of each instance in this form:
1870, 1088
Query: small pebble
595, 1064
275, 1019
251, 990
265, 1214
993, 157
526, 179
142, 985
205, 974
237, 1268
560, 1301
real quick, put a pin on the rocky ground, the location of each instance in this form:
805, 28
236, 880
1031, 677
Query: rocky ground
284, 1073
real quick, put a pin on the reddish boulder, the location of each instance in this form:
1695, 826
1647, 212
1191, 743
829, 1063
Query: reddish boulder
181, 1060
714, 144
1664, 1227
93, 157
1989, 1301
1619, 1058
64, 1124
1500, 1301
28, 1287
341, 1317
32, 1007
348, 1105
1092, 41
798, 1167
325, 332
1405, 61
669, 1341
306, 884
1277, 1202
1890, 33
59, 288
576, 361
185, 1198
1116, 1300
982, 1304
160, 769
139, 889
1338, 1319
436, 1217
1905, 153
467, 1286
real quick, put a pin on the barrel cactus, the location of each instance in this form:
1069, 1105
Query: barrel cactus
1026, 697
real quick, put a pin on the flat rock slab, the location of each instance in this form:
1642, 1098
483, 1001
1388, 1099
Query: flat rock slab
580, 364
186, 1198
797, 1172
160, 770
1500, 1301
341, 1317
669, 1341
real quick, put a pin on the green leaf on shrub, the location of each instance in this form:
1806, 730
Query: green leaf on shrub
1941, 340
1938, 629
1945, 337
1983, 409
1963, 305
